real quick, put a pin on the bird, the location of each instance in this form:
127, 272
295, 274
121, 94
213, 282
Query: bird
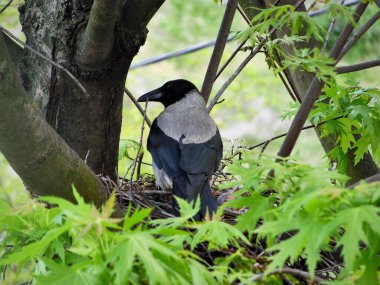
185, 145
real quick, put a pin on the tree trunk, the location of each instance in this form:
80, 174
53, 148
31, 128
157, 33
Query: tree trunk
44, 162
90, 125
301, 81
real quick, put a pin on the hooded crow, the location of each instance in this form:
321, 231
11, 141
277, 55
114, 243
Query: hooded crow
185, 144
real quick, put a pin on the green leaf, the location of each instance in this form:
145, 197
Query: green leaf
218, 235
355, 222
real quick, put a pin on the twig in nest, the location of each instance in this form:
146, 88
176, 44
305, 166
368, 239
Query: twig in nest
10, 35
140, 146
292, 271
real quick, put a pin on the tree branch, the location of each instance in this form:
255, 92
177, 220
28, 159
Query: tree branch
97, 41
232, 78
6, 6
11, 36
358, 66
358, 35
371, 179
44, 162
284, 134
142, 112
292, 271
244, 63
315, 88
136, 14
218, 49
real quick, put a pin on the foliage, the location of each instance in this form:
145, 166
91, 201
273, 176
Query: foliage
308, 210
358, 123
76, 243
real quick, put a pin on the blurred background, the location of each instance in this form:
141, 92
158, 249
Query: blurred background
253, 103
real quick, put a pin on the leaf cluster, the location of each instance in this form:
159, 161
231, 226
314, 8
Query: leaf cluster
305, 211
358, 123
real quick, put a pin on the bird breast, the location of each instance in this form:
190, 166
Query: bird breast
189, 118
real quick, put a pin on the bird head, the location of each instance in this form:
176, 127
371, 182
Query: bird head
170, 92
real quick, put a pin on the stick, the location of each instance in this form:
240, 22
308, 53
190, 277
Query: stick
243, 64
284, 134
218, 49
287, 270
10, 35
6, 6
139, 149
134, 101
359, 34
232, 78
358, 66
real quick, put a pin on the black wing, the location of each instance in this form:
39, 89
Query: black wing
190, 166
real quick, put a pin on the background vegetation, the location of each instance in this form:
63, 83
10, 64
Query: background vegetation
315, 215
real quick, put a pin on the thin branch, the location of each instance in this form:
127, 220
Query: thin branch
140, 146
136, 14
359, 34
232, 78
96, 43
292, 271
284, 134
244, 63
315, 88
244, 15
236, 51
358, 66
6, 6
10, 35
134, 101
371, 179
336, 51
325, 10
291, 90
218, 49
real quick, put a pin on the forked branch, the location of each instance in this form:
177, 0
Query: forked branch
97, 40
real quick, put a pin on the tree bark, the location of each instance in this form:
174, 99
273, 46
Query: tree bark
45, 163
89, 125
302, 80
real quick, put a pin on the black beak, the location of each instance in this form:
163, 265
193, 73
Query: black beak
154, 95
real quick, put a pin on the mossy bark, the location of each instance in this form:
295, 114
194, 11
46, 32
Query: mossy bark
45, 163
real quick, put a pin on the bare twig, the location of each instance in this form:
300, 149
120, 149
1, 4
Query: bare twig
243, 14
371, 179
218, 49
6, 6
284, 134
358, 35
140, 146
291, 90
329, 32
358, 66
315, 88
10, 35
232, 77
244, 63
287, 270
230, 59
134, 101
